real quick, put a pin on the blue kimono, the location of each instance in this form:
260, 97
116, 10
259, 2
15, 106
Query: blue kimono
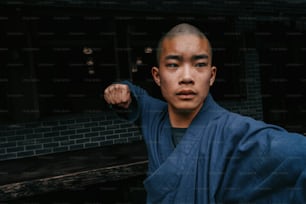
223, 157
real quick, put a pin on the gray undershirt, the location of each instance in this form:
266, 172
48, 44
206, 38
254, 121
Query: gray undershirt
177, 134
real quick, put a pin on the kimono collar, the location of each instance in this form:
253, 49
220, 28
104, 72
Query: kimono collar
210, 110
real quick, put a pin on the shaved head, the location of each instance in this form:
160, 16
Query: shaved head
181, 29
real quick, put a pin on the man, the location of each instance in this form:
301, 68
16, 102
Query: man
199, 152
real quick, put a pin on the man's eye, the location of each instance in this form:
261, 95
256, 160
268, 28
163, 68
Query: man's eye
172, 65
202, 64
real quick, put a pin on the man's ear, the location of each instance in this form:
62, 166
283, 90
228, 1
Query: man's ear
155, 74
213, 75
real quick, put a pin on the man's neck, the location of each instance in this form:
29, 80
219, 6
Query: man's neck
181, 119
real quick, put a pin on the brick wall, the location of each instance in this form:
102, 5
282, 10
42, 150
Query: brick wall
64, 134
251, 105
70, 133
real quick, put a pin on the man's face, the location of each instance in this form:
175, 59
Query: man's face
185, 73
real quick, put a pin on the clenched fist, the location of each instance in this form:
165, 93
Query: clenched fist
118, 94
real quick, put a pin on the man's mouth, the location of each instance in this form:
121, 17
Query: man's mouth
186, 94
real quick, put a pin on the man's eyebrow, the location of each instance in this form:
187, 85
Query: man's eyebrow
180, 58
201, 56
173, 57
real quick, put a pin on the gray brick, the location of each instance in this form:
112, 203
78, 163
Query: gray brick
107, 132
25, 154
134, 139
99, 138
100, 128
15, 149
59, 128
91, 145
26, 142
121, 130
42, 129
120, 141
8, 144
84, 140
92, 134
60, 149
92, 124
51, 134
43, 151
33, 147
106, 143
67, 142
111, 137
75, 127
106, 122
78, 136
50, 145
111, 127
60, 138
15, 138
8, 156
9, 133
3, 139
125, 135
126, 125
76, 146
34, 136
24, 131
68, 132
83, 130
44, 140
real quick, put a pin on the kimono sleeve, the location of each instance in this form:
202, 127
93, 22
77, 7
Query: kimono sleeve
267, 166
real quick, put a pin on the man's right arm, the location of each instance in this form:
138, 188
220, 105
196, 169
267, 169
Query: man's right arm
126, 99
118, 95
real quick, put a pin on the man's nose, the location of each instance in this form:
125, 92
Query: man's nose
186, 75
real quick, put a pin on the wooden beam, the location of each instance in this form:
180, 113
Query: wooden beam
72, 181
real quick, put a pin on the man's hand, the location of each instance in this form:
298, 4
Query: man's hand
118, 95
